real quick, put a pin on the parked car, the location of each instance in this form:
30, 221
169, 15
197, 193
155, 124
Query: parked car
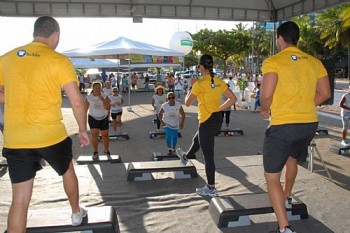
188, 73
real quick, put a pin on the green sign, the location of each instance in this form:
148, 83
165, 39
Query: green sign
187, 43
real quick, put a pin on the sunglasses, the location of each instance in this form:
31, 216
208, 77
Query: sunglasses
171, 97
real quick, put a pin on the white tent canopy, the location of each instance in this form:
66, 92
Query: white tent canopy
87, 63
121, 46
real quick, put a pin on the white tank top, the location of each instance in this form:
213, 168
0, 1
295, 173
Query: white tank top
96, 109
116, 103
345, 112
171, 115
158, 101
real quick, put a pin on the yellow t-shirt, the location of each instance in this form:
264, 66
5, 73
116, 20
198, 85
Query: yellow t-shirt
293, 99
33, 76
208, 98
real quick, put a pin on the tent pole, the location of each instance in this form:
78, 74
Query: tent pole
129, 82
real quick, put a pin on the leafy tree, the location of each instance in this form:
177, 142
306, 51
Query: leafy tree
221, 44
334, 27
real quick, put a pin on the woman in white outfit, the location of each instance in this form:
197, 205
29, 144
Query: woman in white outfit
97, 105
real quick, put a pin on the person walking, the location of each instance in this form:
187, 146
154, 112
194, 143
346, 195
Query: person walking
158, 99
97, 107
169, 115
117, 102
344, 105
33, 76
294, 83
208, 91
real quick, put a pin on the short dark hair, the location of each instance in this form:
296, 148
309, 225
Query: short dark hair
289, 31
44, 26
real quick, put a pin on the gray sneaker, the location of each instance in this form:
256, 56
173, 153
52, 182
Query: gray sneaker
288, 203
181, 154
95, 156
206, 191
77, 218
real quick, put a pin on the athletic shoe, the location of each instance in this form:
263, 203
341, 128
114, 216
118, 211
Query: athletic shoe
95, 156
107, 153
206, 191
288, 202
287, 229
345, 143
181, 154
77, 218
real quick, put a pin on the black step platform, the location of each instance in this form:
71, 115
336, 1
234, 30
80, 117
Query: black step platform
117, 136
154, 134
138, 171
321, 132
339, 149
159, 156
233, 211
99, 220
230, 132
87, 159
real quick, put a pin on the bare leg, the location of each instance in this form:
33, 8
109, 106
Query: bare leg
105, 139
94, 139
276, 196
290, 175
114, 125
71, 187
17, 216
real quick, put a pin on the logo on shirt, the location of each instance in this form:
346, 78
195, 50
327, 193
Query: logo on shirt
21, 53
294, 57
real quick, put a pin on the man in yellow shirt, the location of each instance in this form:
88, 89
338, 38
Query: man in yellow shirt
31, 79
294, 84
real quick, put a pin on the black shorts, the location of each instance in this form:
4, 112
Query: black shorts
98, 124
24, 163
282, 141
114, 115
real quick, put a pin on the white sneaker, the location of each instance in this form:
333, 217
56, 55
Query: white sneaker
345, 143
77, 218
181, 154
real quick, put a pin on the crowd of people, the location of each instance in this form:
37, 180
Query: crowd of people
42, 135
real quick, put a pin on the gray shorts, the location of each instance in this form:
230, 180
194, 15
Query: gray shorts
282, 141
345, 120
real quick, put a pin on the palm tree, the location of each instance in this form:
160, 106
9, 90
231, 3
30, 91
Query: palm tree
334, 27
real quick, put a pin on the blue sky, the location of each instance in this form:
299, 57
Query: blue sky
82, 32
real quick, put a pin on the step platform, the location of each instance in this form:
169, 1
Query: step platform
321, 132
230, 132
159, 156
99, 220
117, 136
3, 162
234, 211
339, 149
155, 134
140, 171
87, 159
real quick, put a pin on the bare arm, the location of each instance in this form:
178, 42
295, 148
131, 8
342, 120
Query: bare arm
323, 90
183, 116
189, 98
231, 99
78, 106
266, 93
2, 94
160, 116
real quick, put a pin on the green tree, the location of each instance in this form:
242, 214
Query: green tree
334, 27
221, 44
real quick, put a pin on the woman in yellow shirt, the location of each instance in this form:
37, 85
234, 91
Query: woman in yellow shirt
208, 90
